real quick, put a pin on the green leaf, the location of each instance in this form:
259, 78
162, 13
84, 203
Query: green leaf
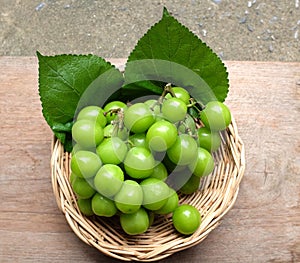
69, 82
170, 53
59, 127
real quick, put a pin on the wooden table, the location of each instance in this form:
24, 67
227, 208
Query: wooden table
264, 224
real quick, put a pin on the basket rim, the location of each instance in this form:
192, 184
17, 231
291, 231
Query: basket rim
220, 189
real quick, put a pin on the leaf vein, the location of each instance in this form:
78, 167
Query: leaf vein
59, 75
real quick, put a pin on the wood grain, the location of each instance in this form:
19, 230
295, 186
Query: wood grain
264, 224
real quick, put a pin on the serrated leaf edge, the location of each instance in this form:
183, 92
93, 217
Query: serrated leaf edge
167, 14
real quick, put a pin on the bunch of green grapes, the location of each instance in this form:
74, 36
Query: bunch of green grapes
132, 160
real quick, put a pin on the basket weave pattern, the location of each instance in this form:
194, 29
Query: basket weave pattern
216, 196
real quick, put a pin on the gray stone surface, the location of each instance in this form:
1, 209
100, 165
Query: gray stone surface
236, 30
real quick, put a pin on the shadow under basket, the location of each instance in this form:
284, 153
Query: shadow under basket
216, 196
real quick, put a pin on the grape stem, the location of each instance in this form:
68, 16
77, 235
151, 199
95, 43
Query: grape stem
187, 129
121, 118
112, 111
193, 103
167, 89
130, 143
202, 105
198, 106
119, 122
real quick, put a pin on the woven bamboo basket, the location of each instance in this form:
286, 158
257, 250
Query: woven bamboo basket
216, 196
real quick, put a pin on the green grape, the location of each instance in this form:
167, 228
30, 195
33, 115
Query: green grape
187, 125
112, 130
92, 113
110, 107
91, 182
87, 133
203, 165
174, 109
139, 140
160, 171
72, 177
161, 136
77, 147
138, 118
85, 164
151, 216
170, 205
135, 223
184, 150
154, 106
177, 179
103, 206
180, 93
209, 140
112, 150
130, 197
139, 163
216, 116
186, 219
191, 185
108, 130
85, 206
172, 167
109, 179
155, 193
82, 188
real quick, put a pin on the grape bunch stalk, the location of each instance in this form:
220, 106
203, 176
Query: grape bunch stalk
132, 160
